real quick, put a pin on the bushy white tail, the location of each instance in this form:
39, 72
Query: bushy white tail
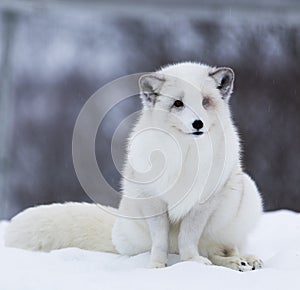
49, 227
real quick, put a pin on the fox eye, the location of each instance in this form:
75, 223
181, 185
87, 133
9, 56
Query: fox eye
205, 102
178, 104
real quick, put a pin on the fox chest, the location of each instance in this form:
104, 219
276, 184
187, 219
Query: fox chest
169, 169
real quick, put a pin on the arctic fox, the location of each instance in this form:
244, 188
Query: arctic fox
183, 187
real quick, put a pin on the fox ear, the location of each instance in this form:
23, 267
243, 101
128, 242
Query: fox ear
224, 77
150, 85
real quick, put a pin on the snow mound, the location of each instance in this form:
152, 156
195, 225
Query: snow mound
276, 240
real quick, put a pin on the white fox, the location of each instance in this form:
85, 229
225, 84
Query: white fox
193, 199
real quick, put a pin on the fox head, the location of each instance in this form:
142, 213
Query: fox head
191, 98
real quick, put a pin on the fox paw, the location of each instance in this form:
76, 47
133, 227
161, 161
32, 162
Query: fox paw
156, 265
200, 259
238, 264
254, 262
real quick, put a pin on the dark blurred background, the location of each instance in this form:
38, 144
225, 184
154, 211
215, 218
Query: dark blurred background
56, 54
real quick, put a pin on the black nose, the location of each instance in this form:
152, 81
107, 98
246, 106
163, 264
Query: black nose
198, 124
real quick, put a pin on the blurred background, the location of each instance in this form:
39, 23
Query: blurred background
56, 54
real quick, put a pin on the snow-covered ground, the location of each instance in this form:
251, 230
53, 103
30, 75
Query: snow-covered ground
276, 240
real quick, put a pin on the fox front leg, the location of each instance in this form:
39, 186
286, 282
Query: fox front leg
159, 231
158, 224
191, 228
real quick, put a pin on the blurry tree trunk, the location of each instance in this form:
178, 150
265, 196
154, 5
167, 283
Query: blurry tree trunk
6, 101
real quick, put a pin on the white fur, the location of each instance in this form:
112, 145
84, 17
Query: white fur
48, 227
207, 204
222, 204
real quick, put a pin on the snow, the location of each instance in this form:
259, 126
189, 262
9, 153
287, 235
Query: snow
276, 240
